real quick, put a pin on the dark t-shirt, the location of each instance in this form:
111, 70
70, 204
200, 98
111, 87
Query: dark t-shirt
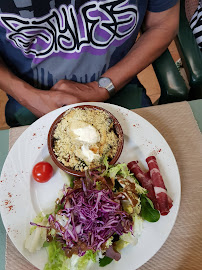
43, 41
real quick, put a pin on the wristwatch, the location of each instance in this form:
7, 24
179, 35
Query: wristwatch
107, 84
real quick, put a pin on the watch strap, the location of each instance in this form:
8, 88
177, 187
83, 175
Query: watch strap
109, 87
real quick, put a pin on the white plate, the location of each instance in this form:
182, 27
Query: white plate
22, 198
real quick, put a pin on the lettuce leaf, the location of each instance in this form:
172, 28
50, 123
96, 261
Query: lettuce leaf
106, 163
105, 261
39, 219
36, 239
139, 189
86, 259
129, 238
109, 242
120, 244
147, 210
67, 178
112, 170
119, 169
37, 235
57, 259
138, 225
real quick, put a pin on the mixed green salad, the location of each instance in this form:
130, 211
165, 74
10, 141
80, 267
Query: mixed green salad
94, 218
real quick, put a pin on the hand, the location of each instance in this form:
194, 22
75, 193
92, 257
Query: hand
43, 102
40, 102
64, 92
81, 91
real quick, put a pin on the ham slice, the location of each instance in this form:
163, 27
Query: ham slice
164, 202
111, 253
144, 180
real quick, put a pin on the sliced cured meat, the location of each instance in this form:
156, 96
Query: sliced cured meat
164, 202
144, 180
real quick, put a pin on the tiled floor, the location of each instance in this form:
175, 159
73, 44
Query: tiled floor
147, 78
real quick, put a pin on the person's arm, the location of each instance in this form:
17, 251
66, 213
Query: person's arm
39, 102
24, 93
12, 85
160, 29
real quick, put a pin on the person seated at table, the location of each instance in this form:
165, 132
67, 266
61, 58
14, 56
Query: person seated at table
196, 23
68, 47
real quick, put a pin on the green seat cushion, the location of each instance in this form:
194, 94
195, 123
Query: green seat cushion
131, 96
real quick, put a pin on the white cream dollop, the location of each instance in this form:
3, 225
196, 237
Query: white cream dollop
87, 134
90, 156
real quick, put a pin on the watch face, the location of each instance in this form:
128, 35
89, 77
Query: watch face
104, 82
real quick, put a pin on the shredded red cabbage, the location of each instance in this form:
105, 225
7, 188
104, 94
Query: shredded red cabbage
92, 217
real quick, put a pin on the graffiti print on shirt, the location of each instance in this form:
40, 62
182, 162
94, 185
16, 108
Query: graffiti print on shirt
97, 25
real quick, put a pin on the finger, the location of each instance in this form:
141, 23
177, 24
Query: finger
61, 85
62, 99
69, 99
54, 87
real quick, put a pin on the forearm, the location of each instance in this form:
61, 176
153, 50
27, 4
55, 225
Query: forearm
143, 53
149, 46
160, 29
14, 86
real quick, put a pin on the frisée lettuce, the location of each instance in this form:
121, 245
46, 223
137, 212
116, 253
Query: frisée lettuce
58, 260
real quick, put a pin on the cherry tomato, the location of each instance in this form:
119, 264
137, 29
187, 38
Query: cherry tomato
42, 172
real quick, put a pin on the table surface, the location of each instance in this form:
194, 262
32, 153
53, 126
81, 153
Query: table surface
195, 105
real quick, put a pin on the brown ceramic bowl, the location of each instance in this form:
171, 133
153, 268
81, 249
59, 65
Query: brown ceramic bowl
117, 129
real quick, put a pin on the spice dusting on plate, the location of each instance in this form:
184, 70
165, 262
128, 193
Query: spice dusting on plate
84, 137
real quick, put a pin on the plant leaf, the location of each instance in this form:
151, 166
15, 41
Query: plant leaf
147, 210
104, 261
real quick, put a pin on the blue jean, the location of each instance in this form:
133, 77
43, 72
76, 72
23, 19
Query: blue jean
17, 115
